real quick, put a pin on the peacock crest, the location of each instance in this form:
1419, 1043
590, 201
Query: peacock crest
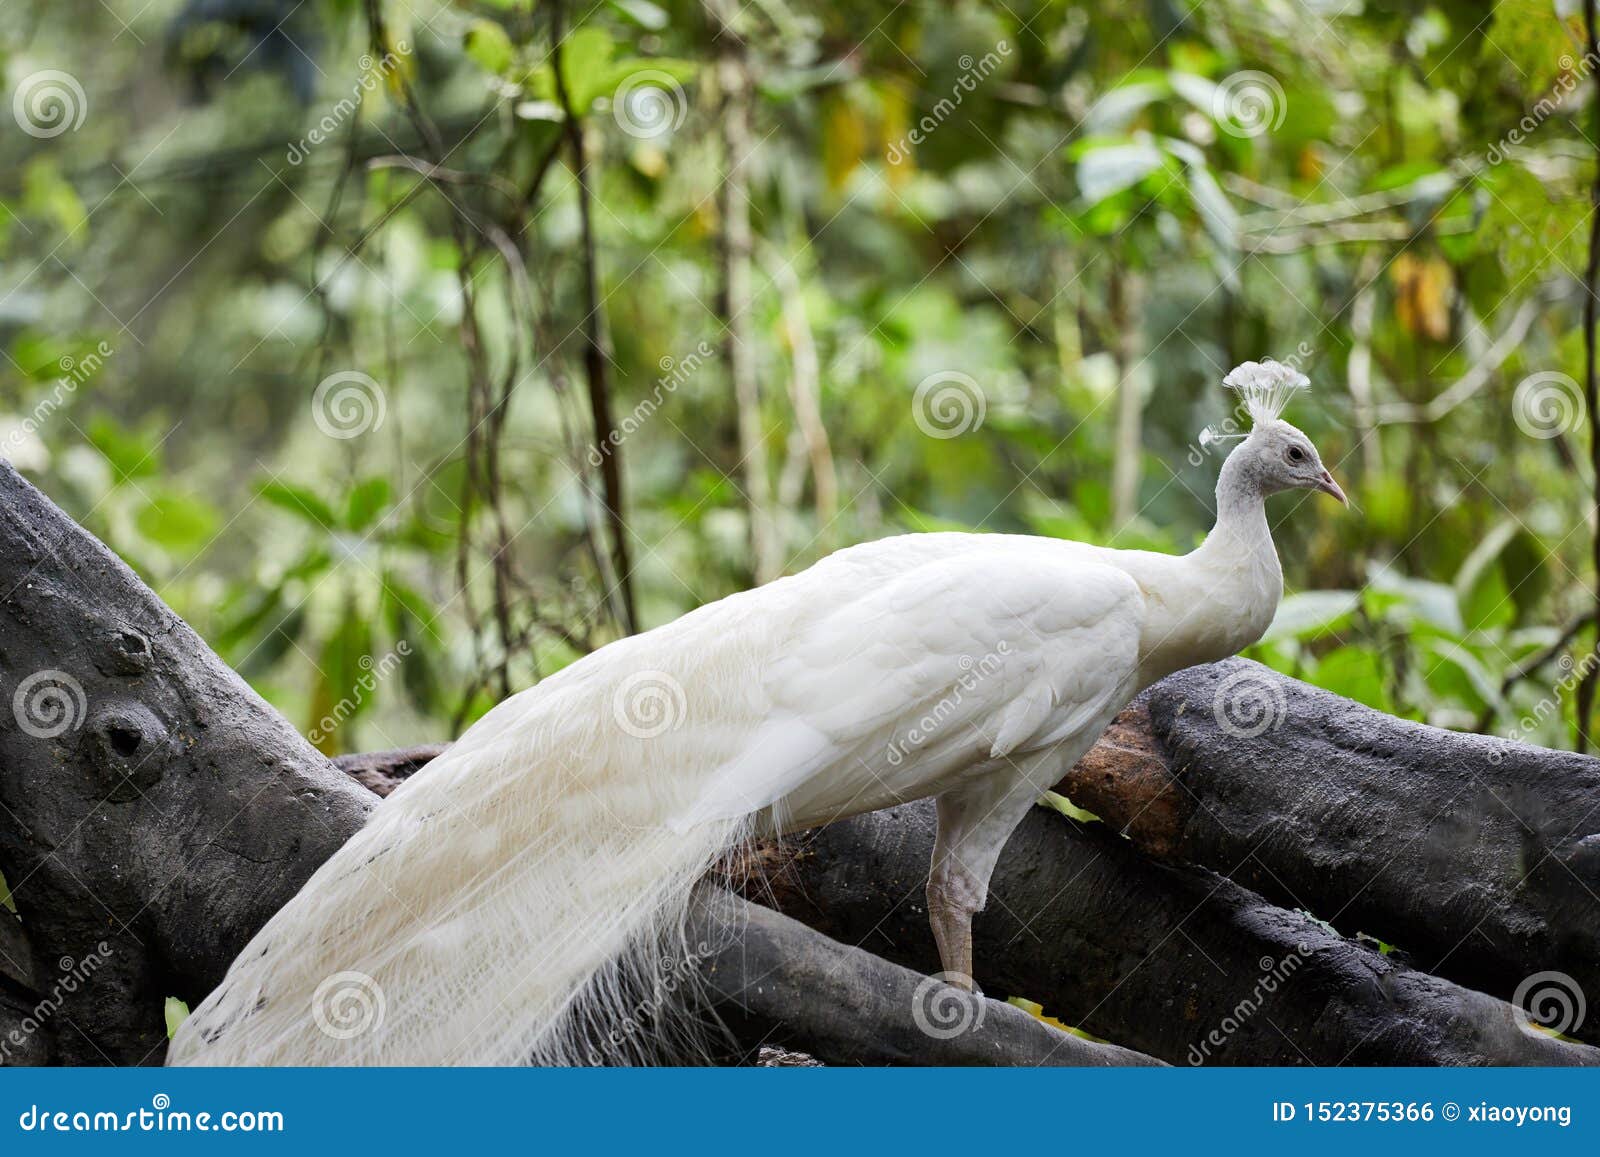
1265, 388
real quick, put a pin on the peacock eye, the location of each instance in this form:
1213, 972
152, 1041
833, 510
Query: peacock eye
1296, 454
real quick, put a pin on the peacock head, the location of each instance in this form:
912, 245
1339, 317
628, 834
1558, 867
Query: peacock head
1275, 456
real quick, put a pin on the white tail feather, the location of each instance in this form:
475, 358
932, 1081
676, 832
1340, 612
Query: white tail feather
501, 908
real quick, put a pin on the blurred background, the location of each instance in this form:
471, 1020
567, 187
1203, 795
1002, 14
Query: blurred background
411, 350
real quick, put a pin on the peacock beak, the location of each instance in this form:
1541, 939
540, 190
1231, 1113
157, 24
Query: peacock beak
1327, 485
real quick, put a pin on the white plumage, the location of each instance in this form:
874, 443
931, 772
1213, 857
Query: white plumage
497, 904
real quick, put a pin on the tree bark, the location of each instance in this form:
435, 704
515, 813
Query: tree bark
152, 802
1478, 857
1178, 963
1127, 310
777, 981
380, 772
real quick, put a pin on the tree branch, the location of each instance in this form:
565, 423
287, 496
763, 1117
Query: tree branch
152, 801
1178, 963
736, 299
594, 354
1479, 857
775, 980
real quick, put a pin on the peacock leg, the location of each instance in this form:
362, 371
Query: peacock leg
975, 822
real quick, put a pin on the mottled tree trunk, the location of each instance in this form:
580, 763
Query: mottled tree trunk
1179, 963
154, 811
1478, 858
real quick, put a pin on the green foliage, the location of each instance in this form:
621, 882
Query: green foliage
1048, 200
174, 1012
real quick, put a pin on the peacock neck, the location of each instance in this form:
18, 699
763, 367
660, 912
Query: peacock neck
1219, 598
1241, 538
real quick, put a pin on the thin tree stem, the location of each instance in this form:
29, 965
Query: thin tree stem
594, 355
1591, 394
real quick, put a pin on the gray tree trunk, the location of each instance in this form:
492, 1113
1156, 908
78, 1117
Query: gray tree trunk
1478, 858
154, 811
1179, 963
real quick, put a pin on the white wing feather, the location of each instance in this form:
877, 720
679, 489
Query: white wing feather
922, 678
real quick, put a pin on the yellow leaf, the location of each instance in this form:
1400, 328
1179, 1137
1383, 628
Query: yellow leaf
844, 139
895, 102
1036, 1010
1422, 295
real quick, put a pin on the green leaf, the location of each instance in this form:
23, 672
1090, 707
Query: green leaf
1525, 564
404, 602
1489, 603
1058, 802
1417, 600
489, 46
1116, 110
1527, 35
248, 622
585, 69
1483, 585
1109, 169
368, 501
174, 1012
131, 454
273, 645
178, 522
46, 193
1355, 673
411, 625
539, 110
642, 13
1216, 212
1199, 91
1455, 673
1311, 613
300, 501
